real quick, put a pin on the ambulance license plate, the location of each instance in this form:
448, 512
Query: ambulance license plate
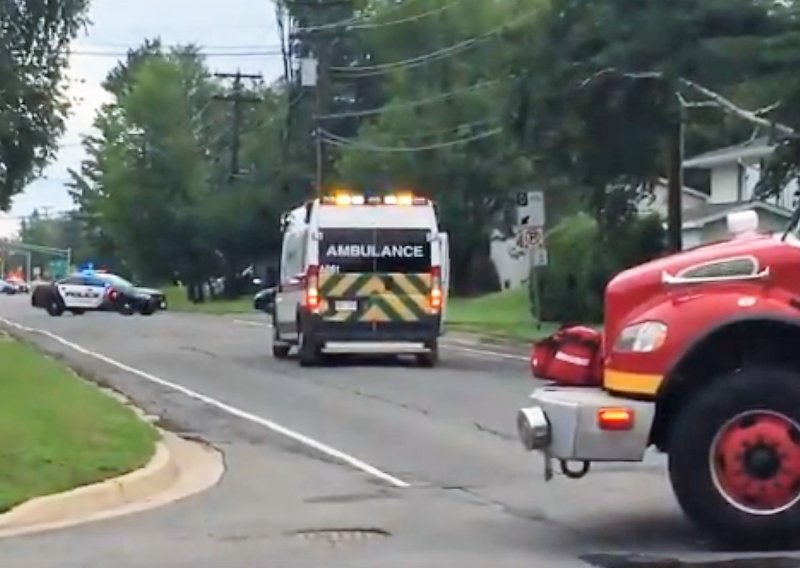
346, 306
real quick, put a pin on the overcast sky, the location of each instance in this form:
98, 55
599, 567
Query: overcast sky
217, 25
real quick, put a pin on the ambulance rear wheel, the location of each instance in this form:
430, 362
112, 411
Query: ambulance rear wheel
280, 349
307, 350
431, 358
734, 458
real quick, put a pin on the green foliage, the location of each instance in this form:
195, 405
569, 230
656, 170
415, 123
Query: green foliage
34, 36
582, 260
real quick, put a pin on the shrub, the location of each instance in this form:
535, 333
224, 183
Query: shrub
582, 261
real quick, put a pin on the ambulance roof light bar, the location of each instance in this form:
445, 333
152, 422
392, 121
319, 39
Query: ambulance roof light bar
342, 199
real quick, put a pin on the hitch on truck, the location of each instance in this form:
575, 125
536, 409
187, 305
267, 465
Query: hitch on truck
700, 358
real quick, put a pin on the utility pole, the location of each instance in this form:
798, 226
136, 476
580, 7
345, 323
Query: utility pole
323, 89
675, 183
238, 98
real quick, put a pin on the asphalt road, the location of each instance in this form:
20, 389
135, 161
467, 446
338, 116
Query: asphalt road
365, 463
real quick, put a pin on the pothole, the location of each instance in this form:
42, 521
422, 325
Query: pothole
337, 537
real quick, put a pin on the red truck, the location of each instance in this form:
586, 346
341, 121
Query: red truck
699, 358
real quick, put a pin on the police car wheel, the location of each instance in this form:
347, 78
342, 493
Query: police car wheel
126, 309
54, 307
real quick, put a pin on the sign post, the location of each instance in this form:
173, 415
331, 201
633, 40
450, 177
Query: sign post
531, 236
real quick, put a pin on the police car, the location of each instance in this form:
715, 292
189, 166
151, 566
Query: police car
96, 291
361, 275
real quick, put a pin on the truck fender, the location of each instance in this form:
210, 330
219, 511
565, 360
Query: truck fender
722, 347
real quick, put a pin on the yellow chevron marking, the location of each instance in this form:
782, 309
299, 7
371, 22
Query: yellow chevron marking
342, 287
374, 314
398, 306
373, 286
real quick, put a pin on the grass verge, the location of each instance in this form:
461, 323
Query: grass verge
58, 432
503, 314
177, 301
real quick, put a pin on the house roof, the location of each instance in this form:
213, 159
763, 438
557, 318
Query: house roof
664, 182
698, 217
756, 148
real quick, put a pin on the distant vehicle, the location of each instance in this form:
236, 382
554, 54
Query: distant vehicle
7, 288
21, 286
96, 291
361, 275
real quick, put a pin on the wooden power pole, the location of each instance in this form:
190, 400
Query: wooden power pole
675, 184
238, 98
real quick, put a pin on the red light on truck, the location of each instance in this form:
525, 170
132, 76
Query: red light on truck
615, 419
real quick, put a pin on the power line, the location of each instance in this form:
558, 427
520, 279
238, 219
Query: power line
343, 142
380, 69
262, 53
407, 19
349, 21
409, 104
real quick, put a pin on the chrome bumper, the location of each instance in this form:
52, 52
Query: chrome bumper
562, 423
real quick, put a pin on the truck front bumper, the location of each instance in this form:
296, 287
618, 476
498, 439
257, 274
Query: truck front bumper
563, 423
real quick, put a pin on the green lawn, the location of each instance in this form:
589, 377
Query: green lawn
177, 301
58, 432
503, 314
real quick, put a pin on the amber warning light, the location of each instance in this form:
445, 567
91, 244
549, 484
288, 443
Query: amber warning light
615, 419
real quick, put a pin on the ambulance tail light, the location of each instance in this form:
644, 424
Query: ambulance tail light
436, 288
312, 289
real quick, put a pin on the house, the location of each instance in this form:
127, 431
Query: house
733, 174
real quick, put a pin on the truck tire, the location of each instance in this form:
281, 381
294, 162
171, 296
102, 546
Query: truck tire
307, 350
734, 458
430, 359
280, 349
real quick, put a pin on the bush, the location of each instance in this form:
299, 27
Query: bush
582, 261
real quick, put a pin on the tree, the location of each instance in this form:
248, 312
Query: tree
34, 37
600, 108
438, 131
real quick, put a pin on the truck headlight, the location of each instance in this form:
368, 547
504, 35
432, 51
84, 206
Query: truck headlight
642, 337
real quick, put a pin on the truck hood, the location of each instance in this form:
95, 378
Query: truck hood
632, 290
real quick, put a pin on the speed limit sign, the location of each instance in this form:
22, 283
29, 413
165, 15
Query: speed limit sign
531, 237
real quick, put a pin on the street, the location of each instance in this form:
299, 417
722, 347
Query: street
364, 463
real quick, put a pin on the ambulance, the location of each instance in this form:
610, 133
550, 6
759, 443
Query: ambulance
364, 275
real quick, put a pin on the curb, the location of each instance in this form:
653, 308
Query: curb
177, 470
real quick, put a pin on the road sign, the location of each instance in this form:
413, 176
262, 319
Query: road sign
530, 237
539, 256
58, 269
530, 209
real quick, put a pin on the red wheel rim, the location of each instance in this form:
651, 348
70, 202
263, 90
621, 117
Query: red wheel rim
755, 462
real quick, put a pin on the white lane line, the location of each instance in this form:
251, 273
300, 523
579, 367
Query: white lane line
244, 415
483, 353
251, 323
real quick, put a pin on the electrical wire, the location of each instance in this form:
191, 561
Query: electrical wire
380, 69
405, 20
353, 20
334, 140
82, 53
405, 105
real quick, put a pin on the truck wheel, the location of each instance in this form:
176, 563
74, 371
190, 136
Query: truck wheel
307, 350
431, 358
280, 349
54, 307
734, 458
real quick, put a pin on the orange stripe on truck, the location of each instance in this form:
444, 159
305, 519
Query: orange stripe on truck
631, 383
